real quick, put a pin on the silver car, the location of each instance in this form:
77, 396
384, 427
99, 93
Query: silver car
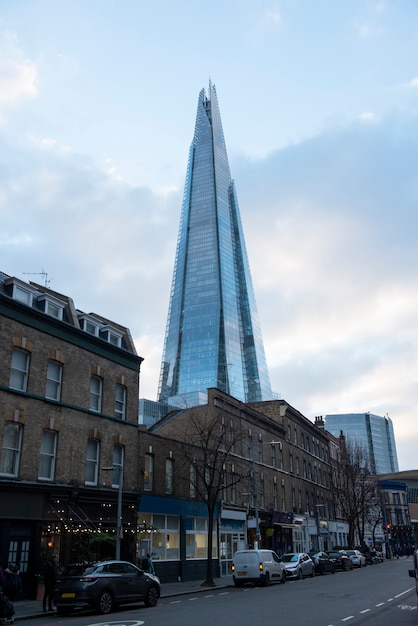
298, 565
104, 586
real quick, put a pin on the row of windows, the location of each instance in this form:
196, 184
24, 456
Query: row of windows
12, 447
55, 307
19, 376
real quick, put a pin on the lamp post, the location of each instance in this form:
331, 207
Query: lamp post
119, 469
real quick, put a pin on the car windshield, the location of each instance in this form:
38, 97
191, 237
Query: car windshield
290, 558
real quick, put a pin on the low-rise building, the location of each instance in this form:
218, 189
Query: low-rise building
69, 386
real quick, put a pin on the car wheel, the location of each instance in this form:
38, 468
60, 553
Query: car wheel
283, 580
105, 602
265, 581
313, 572
238, 583
321, 570
300, 575
152, 596
333, 570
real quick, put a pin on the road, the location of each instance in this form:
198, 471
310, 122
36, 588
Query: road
378, 595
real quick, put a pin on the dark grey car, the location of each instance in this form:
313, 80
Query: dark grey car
103, 586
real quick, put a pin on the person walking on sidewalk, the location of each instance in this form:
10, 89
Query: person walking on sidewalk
12, 583
50, 578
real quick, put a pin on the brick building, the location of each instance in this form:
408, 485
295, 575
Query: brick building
282, 497
69, 385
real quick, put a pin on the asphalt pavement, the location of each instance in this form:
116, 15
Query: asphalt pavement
29, 609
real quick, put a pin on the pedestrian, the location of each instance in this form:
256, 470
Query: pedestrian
150, 567
11, 581
50, 578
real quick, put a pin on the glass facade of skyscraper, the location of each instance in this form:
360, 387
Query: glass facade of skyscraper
213, 336
372, 432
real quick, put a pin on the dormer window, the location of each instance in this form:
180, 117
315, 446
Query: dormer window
20, 291
112, 335
89, 325
51, 306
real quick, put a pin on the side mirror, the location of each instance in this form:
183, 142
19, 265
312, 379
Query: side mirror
412, 573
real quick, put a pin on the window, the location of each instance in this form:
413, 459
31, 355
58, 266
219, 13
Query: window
273, 455
96, 393
149, 472
89, 325
47, 457
197, 538
112, 335
92, 461
233, 483
169, 474
165, 538
192, 476
19, 370
120, 402
262, 501
118, 457
52, 306
53, 380
12, 441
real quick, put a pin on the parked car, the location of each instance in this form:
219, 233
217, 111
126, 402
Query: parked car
414, 571
298, 565
357, 558
104, 586
341, 560
323, 562
260, 567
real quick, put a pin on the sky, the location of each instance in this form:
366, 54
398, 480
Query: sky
319, 104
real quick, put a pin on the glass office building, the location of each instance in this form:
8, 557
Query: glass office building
213, 336
372, 432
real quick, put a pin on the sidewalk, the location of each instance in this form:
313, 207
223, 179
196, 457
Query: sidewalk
29, 609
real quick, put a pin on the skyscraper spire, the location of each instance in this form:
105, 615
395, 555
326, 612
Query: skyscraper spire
213, 336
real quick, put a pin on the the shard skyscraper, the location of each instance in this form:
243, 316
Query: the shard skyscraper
213, 336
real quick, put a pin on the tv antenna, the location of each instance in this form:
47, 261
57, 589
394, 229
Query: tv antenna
43, 273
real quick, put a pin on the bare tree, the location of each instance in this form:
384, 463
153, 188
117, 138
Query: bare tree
355, 489
210, 448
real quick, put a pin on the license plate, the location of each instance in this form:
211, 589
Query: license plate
242, 573
68, 595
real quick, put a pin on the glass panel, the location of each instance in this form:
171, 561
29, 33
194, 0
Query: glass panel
53, 382
19, 370
47, 458
95, 393
11, 449
92, 462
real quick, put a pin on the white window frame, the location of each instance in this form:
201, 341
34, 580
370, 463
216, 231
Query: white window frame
118, 462
53, 380
197, 539
47, 455
96, 391
165, 536
19, 372
52, 306
11, 450
120, 401
92, 461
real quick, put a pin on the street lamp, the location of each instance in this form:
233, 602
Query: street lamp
119, 469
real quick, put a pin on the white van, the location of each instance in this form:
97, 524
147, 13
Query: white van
257, 566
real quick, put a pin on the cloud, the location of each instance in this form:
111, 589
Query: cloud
412, 83
330, 226
18, 76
